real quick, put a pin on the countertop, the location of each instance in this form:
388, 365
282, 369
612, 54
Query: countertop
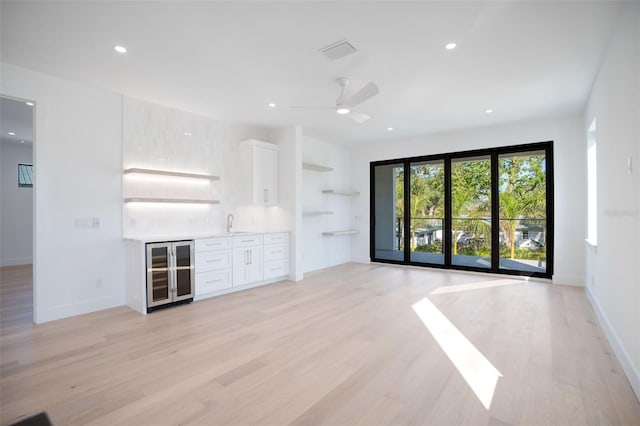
183, 237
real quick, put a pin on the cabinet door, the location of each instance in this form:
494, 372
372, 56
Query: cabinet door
265, 176
254, 267
240, 263
184, 273
159, 274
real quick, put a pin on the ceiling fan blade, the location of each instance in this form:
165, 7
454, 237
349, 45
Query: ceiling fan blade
367, 92
358, 117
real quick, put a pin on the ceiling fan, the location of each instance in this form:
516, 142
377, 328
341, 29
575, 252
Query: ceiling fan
344, 104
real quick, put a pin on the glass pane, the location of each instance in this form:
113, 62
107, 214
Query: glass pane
183, 284
183, 255
160, 257
427, 212
160, 282
523, 225
471, 212
389, 212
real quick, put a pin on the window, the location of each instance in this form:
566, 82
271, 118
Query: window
592, 186
485, 210
25, 176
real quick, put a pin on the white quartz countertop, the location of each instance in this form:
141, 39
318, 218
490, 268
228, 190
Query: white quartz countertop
181, 237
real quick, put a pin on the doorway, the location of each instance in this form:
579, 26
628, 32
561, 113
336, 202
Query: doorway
17, 210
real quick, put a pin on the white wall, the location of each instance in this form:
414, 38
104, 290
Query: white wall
77, 164
322, 251
16, 217
569, 186
613, 281
154, 137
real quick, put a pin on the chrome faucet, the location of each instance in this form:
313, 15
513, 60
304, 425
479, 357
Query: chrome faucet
229, 222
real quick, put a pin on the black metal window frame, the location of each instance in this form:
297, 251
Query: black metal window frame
494, 154
22, 174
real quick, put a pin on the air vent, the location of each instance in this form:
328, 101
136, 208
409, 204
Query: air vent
338, 50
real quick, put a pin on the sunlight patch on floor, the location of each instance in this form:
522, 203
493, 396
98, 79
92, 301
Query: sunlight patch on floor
474, 286
477, 371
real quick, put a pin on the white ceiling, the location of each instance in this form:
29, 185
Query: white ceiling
16, 117
228, 60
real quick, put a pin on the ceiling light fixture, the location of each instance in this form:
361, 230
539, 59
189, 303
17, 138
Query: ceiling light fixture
187, 133
343, 110
21, 141
11, 133
488, 111
450, 46
389, 129
120, 49
272, 105
29, 103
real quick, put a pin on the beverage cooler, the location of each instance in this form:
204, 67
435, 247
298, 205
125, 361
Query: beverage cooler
170, 273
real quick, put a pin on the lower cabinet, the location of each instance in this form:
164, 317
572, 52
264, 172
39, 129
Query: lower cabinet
213, 265
276, 255
247, 259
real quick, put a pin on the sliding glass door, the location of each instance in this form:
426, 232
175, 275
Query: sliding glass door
471, 212
486, 210
426, 215
388, 202
523, 206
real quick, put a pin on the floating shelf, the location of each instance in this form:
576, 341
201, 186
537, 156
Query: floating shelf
316, 167
169, 200
336, 233
169, 173
338, 192
316, 212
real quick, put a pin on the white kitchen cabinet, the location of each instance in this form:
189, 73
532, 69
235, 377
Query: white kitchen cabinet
247, 259
276, 255
213, 265
259, 177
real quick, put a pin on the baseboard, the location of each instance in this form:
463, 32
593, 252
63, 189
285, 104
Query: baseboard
633, 375
64, 311
16, 261
570, 280
360, 259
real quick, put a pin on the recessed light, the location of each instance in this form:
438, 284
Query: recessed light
11, 134
389, 129
450, 46
187, 133
272, 105
343, 110
21, 141
488, 111
120, 49
29, 103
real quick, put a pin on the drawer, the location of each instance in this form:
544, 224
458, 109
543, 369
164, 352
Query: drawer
208, 282
276, 252
213, 244
212, 260
278, 238
276, 268
247, 241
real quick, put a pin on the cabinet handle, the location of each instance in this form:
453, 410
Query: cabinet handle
265, 195
214, 260
250, 257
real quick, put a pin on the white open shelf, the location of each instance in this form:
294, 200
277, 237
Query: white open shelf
169, 173
339, 192
316, 212
316, 167
337, 233
169, 200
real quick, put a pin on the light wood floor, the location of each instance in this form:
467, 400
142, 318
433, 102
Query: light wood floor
344, 346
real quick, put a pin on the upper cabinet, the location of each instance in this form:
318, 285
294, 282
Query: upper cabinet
259, 166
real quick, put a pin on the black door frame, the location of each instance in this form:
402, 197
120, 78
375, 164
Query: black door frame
494, 154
